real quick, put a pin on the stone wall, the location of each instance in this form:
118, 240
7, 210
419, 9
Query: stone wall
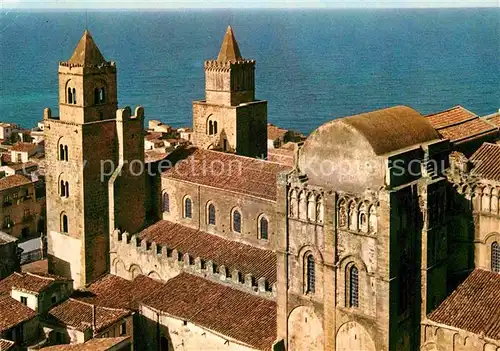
438, 337
129, 258
183, 335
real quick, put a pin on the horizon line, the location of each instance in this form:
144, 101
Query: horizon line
245, 8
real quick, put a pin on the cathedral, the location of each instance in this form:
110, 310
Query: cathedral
382, 235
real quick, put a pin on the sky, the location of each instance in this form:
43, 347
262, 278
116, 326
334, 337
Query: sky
184, 4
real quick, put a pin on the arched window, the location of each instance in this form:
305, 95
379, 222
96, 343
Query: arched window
64, 223
166, 203
215, 127
237, 221
263, 230
74, 96
61, 152
211, 214
188, 211
495, 257
70, 96
66, 152
310, 274
66, 185
210, 128
353, 287
96, 96
62, 189
102, 97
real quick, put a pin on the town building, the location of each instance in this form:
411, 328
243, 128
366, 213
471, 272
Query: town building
380, 231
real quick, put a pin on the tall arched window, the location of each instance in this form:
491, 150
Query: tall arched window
263, 228
495, 257
96, 96
353, 287
62, 189
310, 274
237, 221
74, 96
188, 211
66, 156
66, 185
215, 127
102, 96
61, 152
64, 223
166, 203
211, 214
210, 128
70, 96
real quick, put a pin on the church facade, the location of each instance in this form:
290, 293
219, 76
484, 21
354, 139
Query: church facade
358, 246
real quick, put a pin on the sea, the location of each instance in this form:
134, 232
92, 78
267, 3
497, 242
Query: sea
312, 65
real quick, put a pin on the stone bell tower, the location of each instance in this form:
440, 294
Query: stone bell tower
83, 147
230, 119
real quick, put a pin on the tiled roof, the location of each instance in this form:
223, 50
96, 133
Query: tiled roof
78, 315
282, 156
115, 292
474, 306
6, 345
32, 282
13, 181
154, 155
40, 267
224, 171
486, 161
86, 52
241, 316
26, 165
96, 344
459, 124
13, 312
233, 255
153, 135
495, 119
274, 132
24, 147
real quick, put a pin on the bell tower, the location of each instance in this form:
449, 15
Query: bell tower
85, 145
230, 119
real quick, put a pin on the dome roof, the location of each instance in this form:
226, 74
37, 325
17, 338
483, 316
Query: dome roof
347, 153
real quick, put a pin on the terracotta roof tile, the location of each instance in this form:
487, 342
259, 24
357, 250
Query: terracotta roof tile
6, 345
96, 344
13, 181
233, 255
242, 316
40, 267
486, 161
115, 292
24, 147
230, 172
27, 165
13, 312
495, 120
32, 282
474, 306
78, 315
153, 136
274, 132
459, 124
283, 156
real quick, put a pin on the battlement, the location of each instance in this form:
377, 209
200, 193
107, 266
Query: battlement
125, 114
227, 65
101, 65
175, 261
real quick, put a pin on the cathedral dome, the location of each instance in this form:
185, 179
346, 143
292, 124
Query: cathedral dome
348, 153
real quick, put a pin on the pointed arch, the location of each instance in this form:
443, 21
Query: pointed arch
320, 209
343, 213
310, 273
188, 207
263, 227
302, 205
64, 223
293, 203
165, 202
353, 216
311, 207
236, 220
211, 216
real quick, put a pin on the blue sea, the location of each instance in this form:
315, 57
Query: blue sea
312, 65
